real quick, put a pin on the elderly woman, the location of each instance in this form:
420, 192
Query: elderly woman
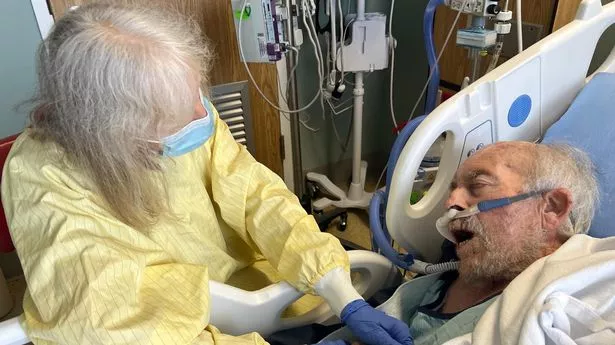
127, 194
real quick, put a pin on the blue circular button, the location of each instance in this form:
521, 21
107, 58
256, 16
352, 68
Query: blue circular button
519, 110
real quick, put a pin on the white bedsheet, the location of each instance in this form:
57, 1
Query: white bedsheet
566, 298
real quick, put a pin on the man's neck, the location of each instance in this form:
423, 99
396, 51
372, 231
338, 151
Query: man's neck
462, 295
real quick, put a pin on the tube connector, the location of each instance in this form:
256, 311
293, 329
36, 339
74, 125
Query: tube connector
421, 267
504, 16
502, 28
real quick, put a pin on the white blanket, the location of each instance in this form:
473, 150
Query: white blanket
566, 298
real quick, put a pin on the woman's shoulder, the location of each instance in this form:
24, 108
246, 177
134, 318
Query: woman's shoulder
38, 162
32, 154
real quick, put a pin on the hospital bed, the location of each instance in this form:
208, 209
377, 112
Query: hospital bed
545, 94
519, 100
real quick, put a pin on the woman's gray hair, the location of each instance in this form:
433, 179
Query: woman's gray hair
563, 166
109, 77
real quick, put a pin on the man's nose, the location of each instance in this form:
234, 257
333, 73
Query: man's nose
457, 198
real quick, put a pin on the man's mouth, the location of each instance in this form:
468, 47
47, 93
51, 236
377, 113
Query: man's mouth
462, 235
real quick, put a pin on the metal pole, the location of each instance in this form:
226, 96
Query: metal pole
295, 127
357, 189
475, 64
358, 128
477, 22
333, 23
360, 9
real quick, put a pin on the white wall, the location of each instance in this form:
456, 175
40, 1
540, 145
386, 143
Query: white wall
19, 38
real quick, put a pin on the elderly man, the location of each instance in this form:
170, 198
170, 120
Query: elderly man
531, 198
128, 193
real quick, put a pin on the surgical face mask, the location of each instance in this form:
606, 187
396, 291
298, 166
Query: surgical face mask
193, 135
483, 206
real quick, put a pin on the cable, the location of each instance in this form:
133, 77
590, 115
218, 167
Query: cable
429, 17
305, 125
495, 57
328, 57
338, 112
245, 64
519, 27
343, 146
342, 39
347, 142
380, 179
391, 78
319, 48
284, 94
315, 43
448, 37
342, 78
427, 268
292, 76
331, 78
318, 51
339, 105
313, 36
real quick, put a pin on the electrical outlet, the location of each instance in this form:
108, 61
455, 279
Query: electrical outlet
532, 33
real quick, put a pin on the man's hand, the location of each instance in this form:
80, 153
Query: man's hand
374, 327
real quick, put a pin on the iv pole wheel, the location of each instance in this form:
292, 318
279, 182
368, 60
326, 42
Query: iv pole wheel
313, 190
343, 224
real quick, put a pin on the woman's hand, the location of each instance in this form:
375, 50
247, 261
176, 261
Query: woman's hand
374, 327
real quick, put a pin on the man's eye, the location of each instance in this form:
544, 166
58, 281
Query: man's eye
476, 187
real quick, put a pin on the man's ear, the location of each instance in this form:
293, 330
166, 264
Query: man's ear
558, 203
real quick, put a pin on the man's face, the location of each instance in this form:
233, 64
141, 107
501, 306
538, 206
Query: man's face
500, 243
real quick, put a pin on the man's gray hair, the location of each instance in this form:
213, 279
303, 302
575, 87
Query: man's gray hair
563, 166
110, 76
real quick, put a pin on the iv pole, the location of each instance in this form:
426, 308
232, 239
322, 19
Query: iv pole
292, 104
356, 190
356, 197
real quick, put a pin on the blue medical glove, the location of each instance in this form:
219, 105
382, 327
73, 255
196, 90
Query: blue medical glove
374, 327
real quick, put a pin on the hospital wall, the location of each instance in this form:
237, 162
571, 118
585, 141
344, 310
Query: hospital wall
19, 37
321, 151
